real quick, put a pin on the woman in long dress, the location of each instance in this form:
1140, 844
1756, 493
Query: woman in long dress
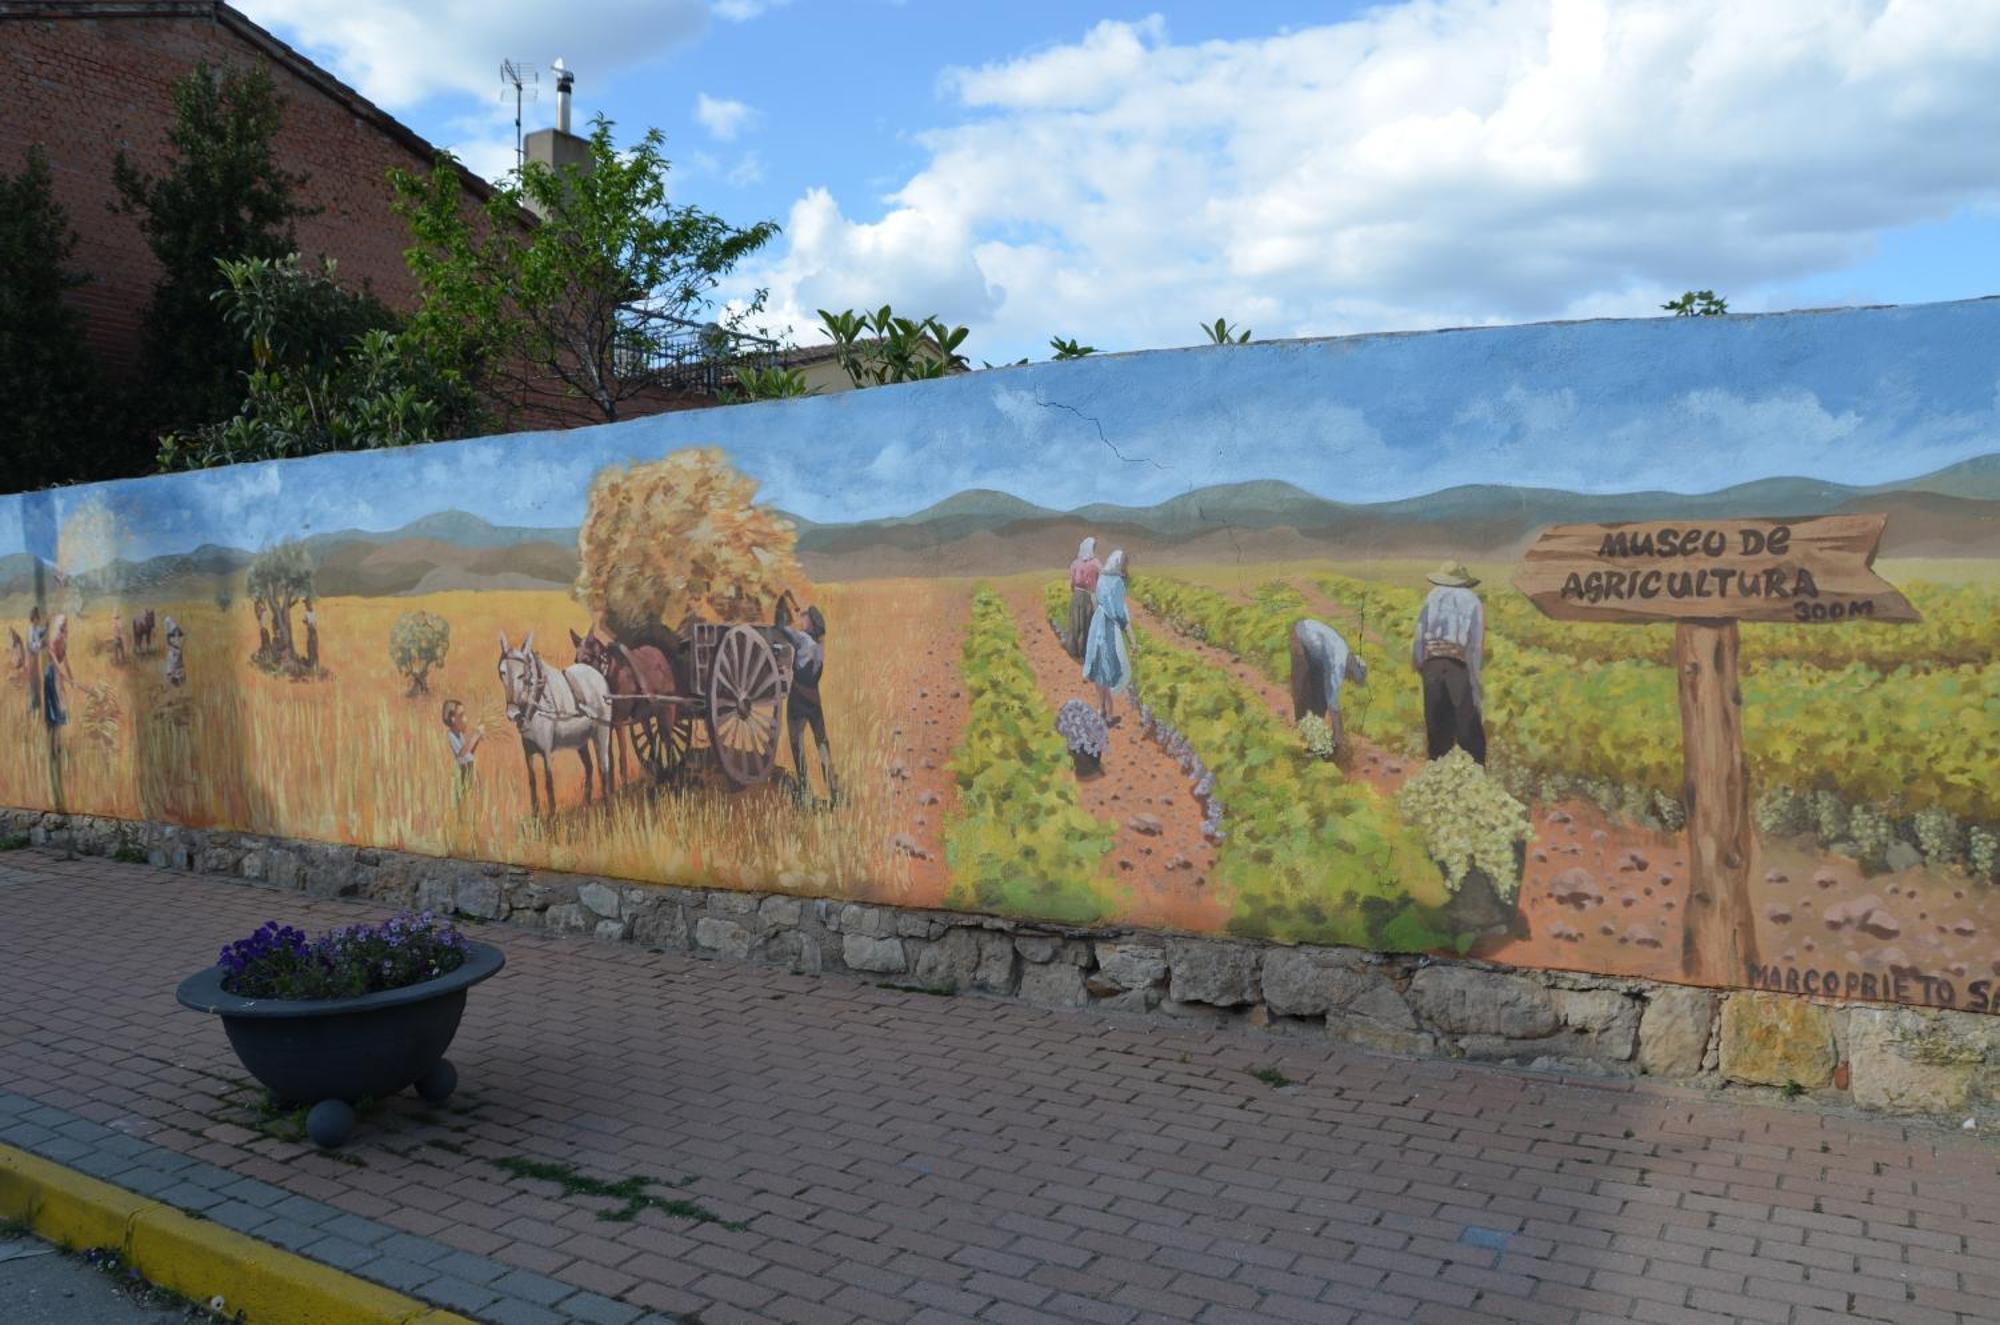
1083, 573
312, 637
1107, 658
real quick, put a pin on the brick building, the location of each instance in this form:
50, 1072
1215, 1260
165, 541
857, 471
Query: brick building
86, 78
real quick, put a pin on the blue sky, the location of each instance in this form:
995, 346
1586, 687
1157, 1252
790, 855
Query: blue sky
1687, 405
1121, 172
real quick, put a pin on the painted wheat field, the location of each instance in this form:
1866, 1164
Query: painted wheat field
351, 757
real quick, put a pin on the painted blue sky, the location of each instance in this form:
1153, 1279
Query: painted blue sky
1120, 172
1681, 405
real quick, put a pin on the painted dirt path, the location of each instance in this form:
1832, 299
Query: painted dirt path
1161, 861
921, 736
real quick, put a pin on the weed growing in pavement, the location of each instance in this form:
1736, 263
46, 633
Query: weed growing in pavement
630, 1190
110, 1262
126, 853
13, 842
1271, 1077
1792, 1090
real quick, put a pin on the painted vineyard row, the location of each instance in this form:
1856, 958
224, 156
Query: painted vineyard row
1306, 854
1019, 843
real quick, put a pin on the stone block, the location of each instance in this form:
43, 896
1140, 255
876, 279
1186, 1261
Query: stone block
481, 897
868, 952
1675, 1030
1207, 971
1307, 982
724, 903
1908, 1060
871, 921
1129, 965
609, 931
948, 964
1053, 985
570, 918
665, 926
1464, 1000
1775, 1040
1597, 1023
1130, 1000
919, 925
1037, 948
599, 898
780, 912
998, 965
725, 937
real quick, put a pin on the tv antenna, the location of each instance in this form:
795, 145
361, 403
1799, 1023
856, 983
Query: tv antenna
524, 81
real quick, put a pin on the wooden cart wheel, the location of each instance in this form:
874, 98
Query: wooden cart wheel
663, 737
746, 694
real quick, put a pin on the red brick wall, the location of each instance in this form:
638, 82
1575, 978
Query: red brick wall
84, 88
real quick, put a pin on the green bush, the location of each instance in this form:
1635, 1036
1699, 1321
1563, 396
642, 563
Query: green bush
1468, 821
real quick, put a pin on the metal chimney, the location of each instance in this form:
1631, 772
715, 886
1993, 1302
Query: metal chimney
565, 80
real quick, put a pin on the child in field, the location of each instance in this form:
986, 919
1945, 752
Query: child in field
463, 745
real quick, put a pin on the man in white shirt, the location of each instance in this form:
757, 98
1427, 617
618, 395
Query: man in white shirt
1321, 662
1446, 652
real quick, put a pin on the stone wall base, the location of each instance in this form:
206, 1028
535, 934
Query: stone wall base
1889, 1058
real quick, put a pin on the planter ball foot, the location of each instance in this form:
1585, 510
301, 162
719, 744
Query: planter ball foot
329, 1123
436, 1085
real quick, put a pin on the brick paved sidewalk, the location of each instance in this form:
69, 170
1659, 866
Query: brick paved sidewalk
886, 1156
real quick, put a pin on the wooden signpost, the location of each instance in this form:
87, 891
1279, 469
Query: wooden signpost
1705, 576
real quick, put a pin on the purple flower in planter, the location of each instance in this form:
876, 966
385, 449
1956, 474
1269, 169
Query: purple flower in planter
280, 962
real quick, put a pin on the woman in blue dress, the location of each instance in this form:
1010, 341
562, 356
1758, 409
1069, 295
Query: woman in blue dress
1107, 656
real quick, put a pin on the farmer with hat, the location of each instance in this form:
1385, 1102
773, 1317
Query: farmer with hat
1450, 637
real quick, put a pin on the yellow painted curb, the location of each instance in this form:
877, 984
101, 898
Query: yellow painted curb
194, 1257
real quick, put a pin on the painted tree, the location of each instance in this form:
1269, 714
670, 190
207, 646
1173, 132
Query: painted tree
280, 578
418, 643
682, 538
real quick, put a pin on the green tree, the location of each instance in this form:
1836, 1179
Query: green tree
876, 349
47, 386
776, 382
1221, 333
329, 372
223, 195
582, 304
1697, 303
418, 643
279, 578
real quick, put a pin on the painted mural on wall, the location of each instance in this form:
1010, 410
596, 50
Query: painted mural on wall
1663, 648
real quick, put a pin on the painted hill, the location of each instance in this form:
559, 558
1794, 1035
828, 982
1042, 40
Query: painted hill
1953, 512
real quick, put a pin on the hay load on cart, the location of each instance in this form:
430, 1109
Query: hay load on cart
683, 574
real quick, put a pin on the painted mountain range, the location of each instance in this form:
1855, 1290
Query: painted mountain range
1953, 512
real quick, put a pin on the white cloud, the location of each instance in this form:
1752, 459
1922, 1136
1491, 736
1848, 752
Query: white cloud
1431, 163
722, 117
748, 171
742, 11
399, 54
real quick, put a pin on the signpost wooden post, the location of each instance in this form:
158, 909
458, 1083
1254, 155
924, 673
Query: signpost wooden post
1705, 576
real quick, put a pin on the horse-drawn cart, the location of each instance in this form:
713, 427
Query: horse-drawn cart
737, 678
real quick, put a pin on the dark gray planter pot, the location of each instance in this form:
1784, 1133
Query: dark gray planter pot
330, 1053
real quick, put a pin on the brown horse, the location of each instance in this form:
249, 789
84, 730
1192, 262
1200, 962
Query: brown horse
634, 672
142, 631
